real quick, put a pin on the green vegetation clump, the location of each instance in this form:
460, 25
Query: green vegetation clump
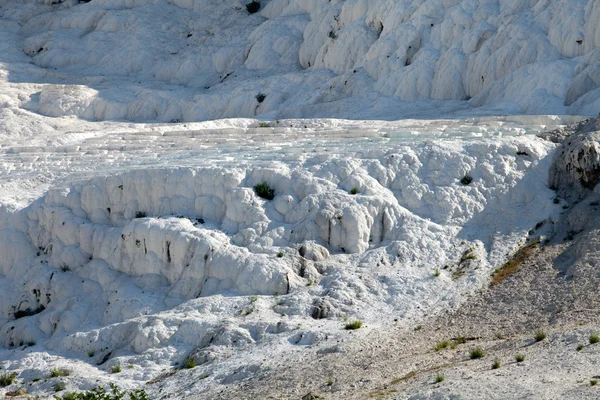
519, 358
442, 345
467, 179
594, 338
58, 372
190, 364
496, 364
264, 191
59, 386
353, 325
476, 353
354, 191
540, 335
580, 347
102, 394
115, 369
7, 378
439, 378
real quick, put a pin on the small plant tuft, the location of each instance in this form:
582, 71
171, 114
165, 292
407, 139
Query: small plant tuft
280, 254
332, 35
476, 353
190, 364
115, 369
59, 386
466, 180
264, 125
461, 339
260, 97
519, 358
36, 379
437, 272
91, 353
593, 382
354, 191
496, 364
7, 378
580, 347
353, 325
264, 191
439, 378
59, 372
540, 335
442, 345
594, 338
330, 382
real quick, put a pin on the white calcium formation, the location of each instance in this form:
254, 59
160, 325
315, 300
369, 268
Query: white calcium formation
146, 243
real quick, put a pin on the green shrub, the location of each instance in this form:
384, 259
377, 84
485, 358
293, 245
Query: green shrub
439, 378
540, 335
115, 369
58, 372
594, 338
461, 339
59, 386
593, 382
91, 353
354, 191
353, 325
437, 272
580, 347
280, 254
260, 97
102, 394
190, 364
476, 353
263, 190
467, 179
442, 345
264, 125
496, 364
519, 358
7, 378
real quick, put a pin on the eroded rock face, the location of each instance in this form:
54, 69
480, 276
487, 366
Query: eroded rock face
576, 168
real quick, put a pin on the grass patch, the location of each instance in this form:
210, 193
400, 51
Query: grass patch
593, 382
115, 369
264, 191
59, 386
7, 378
353, 325
442, 345
512, 265
439, 378
469, 254
580, 347
189, 364
476, 353
594, 338
59, 372
540, 335
437, 272
519, 358
264, 125
100, 393
496, 364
